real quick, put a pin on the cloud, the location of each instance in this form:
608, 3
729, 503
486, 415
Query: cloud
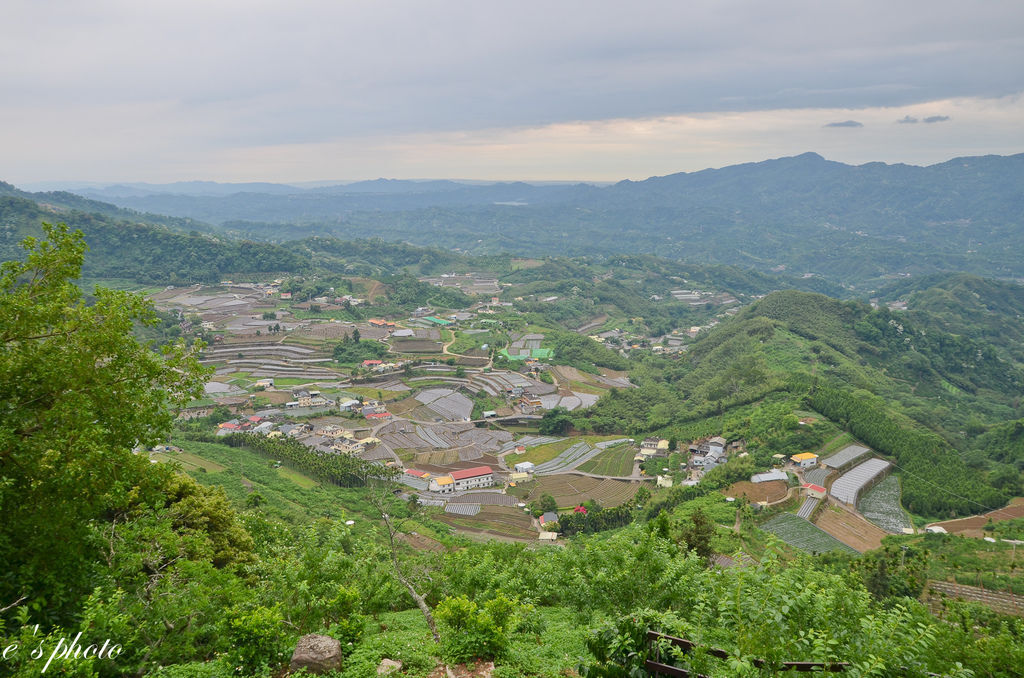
845, 123
907, 120
936, 118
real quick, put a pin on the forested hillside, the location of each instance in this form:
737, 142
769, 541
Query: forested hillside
144, 252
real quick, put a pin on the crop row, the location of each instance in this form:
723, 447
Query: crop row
801, 534
881, 505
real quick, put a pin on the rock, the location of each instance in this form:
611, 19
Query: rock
316, 654
388, 666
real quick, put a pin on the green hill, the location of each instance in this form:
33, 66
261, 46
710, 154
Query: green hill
905, 392
143, 252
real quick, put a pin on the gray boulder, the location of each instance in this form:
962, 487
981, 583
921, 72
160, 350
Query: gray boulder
316, 654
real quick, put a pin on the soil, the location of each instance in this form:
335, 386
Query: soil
851, 529
770, 492
972, 527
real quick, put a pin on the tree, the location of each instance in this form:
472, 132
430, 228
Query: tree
642, 495
697, 534
79, 394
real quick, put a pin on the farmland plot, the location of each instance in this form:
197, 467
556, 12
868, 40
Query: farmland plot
801, 534
881, 505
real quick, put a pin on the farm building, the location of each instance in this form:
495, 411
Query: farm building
768, 476
846, 457
443, 484
813, 491
805, 459
524, 467
478, 476
548, 517
862, 477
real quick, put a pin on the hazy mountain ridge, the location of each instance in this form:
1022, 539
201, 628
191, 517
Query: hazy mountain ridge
854, 224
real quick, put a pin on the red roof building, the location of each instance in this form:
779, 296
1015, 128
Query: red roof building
471, 472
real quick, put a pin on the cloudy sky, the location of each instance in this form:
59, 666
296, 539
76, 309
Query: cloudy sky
122, 90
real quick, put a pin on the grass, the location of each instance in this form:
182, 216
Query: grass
375, 393
615, 461
836, 444
294, 381
587, 388
543, 453
189, 462
296, 477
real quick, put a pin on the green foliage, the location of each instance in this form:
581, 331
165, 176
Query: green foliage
256, 640
556, 421
79, 394
469, 631
147, 253
351, 350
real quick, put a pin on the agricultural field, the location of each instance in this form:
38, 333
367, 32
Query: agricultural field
571, 490
615, 461
503, 521
801, 534
881, 505
850, 529
968, 561
543, 453
974, 526
770, 492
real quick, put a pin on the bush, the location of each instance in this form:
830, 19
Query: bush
472, 632
257, 639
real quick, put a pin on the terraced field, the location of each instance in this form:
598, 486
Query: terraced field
438, 458
505, 521
801, 534
572, 490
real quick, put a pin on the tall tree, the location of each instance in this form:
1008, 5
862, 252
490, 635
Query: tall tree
79, 395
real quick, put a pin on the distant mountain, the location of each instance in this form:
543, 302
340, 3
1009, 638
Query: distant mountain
804, 214
190, 188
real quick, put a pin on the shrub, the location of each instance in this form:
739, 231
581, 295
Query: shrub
469, 631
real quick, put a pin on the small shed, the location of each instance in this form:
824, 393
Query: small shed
524, 467
805, 459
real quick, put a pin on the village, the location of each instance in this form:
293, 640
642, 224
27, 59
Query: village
453, 399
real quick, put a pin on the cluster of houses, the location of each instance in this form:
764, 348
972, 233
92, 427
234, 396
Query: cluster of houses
456, 481
329, 438
385, 367
304, 398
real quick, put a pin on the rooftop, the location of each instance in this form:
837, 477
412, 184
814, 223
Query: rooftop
471, 472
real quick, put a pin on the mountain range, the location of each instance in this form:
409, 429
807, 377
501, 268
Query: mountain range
858, 225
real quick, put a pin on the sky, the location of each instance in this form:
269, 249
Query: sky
306, 90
